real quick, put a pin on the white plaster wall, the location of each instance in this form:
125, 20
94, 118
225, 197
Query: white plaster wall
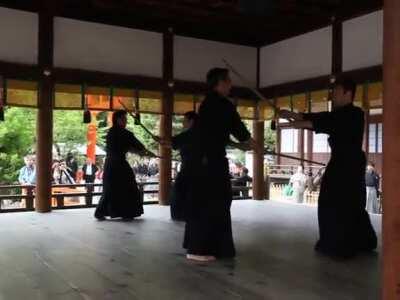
18, 36
99, 47
305, 56
194, 57
363, 41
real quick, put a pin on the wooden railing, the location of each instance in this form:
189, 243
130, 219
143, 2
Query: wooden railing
279, 177
83, 195
68, 196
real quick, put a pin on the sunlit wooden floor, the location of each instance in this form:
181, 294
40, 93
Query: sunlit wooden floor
69, 255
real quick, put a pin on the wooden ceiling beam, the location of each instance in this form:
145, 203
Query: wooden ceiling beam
219, 20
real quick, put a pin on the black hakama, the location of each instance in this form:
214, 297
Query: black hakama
208, 223
184, 142
344, 225
121, 196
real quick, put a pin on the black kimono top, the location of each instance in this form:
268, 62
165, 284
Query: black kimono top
185, 142
119, 141
218, 119
345, 127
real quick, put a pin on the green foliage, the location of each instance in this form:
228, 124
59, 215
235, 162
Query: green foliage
17, 137
69, 130
269, 137
151, 122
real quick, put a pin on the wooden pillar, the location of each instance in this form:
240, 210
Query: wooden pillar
44, 127
278, 144
258, 155
365, 106
166, 117
310, 135
258, 161
301, 144
391, 153
337, 47
278, 137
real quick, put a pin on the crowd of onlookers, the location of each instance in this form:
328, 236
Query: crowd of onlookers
299, 183
67, 171
146, 168
64, 171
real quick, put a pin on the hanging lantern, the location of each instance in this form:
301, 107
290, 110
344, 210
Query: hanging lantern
87, 117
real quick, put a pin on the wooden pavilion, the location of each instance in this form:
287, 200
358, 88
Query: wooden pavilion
154, 55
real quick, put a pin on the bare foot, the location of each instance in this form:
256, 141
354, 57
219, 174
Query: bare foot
200, 258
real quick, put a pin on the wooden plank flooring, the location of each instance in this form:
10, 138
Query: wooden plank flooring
68, 255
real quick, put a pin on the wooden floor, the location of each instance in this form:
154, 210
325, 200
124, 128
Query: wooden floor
69, 255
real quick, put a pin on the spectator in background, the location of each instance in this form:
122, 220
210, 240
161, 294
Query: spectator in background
299, 182
60, 173
242, 181
72, 165
372, 182
89, 170
27, 174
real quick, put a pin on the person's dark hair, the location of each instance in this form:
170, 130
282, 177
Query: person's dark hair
215, 75
347, 84
245, 171
191, 116
118, 115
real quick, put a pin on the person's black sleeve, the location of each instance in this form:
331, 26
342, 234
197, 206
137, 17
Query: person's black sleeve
238, 129
322, 122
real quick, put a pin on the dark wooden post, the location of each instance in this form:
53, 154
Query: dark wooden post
301, 144
166, 116
365, 106
278, 144
310, 135
45, 113
337, 47
258, 161
29, 197
258, 155
391, 153
89, 194
60, 201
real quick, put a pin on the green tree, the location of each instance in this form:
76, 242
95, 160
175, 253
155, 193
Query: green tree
17, 138
18, 135
269, 137
69, 131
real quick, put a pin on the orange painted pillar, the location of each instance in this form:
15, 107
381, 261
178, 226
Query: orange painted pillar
391, 151
91, 134
91, 141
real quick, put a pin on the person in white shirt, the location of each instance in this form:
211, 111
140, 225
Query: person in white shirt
89, 170
299, 183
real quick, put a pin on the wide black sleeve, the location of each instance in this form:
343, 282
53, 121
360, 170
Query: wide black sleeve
179, 140
238, 129
134, 145
322, 122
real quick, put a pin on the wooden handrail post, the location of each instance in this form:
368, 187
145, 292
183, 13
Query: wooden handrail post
89, 195
60, 201
29, 197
